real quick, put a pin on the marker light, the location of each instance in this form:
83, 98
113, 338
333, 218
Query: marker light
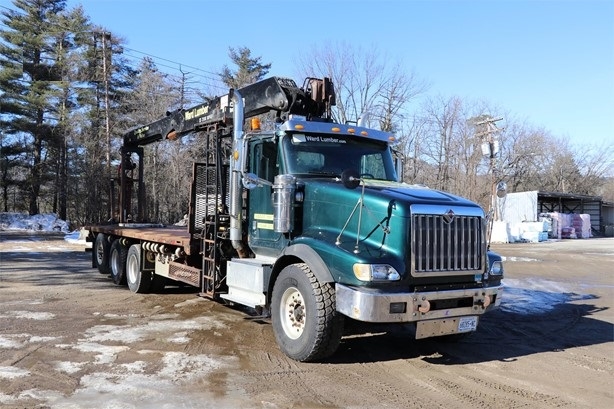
255, 124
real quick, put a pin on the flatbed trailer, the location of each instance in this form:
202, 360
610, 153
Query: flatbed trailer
169, 250
176, 236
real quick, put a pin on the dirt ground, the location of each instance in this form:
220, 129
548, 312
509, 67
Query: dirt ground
70, 338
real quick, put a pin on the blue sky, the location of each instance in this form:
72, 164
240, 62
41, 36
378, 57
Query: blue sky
549, 62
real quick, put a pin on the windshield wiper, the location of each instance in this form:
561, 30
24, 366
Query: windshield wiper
323, 173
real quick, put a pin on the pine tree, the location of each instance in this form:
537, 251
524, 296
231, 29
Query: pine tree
27, 75
249, 69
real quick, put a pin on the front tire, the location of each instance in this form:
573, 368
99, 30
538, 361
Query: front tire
306, 324
138, 281
117, 257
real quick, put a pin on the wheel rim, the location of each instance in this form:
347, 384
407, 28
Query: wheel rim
292, 312
131, 269
99, 253
115, 262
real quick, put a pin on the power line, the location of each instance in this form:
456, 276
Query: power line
173, 62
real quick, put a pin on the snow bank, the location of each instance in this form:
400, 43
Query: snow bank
39, 222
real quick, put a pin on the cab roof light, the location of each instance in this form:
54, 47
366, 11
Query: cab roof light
255, 123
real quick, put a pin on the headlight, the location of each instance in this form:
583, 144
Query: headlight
376, 272
496, 269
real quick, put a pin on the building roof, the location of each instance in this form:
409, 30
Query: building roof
568, 196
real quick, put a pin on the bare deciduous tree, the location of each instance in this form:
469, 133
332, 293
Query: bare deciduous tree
366, 82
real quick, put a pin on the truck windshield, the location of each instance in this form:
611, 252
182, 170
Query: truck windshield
329, 155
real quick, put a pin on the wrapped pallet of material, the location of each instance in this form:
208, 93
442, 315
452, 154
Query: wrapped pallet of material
582, 224
555, 219
568, 233
499, 232
531, 231
514, 231
547, 220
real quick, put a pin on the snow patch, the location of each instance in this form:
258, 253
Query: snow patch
38, 222
105, 354
128, 386
28, 315
48, 222
521, 259
14, 341
69, 367
129, 333
537, 296
10, 372
179, 338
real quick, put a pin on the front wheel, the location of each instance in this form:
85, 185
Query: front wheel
306, 325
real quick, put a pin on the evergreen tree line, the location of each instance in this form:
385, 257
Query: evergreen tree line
68, 91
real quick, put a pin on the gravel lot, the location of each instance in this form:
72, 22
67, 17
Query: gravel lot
70, 338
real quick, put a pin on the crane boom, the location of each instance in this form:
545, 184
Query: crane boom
278, 94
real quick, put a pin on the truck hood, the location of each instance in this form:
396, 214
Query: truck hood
346, 227
331, 207
415, 194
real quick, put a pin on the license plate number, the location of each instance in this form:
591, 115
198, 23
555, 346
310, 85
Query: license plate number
467, 324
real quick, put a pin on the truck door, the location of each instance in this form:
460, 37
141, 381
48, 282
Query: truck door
264, 163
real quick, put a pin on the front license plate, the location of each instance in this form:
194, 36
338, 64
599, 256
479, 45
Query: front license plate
467, 324
445, 326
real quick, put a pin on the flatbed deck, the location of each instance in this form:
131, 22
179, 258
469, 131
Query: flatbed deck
173, 235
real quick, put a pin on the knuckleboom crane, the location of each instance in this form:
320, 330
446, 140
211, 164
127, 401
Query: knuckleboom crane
276, 94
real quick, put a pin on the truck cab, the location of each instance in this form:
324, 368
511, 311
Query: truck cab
325, 196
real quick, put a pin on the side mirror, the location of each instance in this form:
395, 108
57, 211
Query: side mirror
251, 181
350, 178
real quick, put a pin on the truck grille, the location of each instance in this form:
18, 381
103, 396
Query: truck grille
441, 246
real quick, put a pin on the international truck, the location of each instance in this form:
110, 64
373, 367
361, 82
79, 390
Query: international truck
305, 223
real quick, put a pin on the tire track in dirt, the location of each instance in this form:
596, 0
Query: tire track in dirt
334, 385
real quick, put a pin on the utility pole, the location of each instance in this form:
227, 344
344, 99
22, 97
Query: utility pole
105, 39
490, 148
105, 74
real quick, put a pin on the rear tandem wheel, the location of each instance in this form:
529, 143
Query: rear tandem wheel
138, 281
101, 253
117, 256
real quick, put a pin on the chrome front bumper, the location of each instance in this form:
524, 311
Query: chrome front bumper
364, 304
